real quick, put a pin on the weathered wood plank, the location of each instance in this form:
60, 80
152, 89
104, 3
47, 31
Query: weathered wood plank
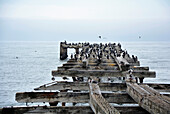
134, 64
102, 73
64, 85
82, 86
131, 110
73, 64
149, 99
117, 62
52, 96
140, 68
92, 67
67, 110
77, 97
159, 87
62, 110
16, 110
71, 46
97, 103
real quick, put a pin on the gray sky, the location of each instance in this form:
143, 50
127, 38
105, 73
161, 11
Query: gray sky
84, 20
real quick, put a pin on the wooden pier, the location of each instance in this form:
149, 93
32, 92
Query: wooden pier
106, 80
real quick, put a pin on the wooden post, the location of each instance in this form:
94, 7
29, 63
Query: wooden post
77, 50
63, 103
53, 103
141, 79
136, 78
63, 52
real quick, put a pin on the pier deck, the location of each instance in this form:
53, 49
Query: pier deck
106, 80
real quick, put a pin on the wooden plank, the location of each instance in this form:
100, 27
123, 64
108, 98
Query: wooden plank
81, 86
72, 64
79, 64
159, 87
71, 46
64, 85
117, 61
67, 110
140, 68
71, 60
16, 110
149, 99
134, 64
52, 97
62, 110
102, 73
97, 102
69, 97
63, 68
67, 67
131, 110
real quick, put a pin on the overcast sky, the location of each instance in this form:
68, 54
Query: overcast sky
84, 20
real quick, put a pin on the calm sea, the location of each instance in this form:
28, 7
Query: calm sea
26, 65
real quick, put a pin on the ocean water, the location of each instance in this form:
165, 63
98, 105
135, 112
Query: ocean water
27, 65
